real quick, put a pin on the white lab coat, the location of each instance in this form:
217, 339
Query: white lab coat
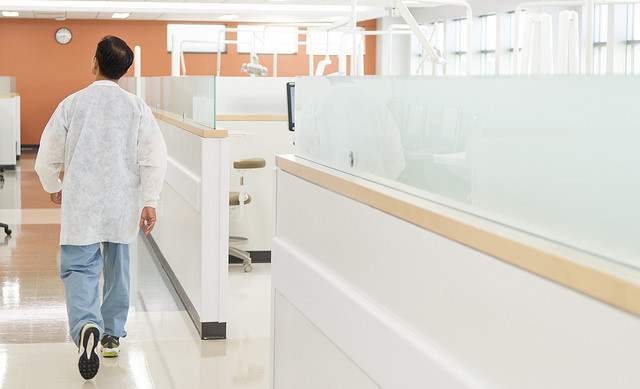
114, 160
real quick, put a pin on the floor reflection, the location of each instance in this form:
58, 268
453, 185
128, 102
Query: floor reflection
162, 349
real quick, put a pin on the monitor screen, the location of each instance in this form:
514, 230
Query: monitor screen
291, 105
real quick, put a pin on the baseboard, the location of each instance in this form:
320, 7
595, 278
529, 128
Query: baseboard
29, 149
256, 257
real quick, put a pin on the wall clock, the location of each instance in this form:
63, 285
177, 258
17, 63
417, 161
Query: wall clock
63, 36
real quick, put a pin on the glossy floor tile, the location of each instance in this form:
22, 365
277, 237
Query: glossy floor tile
162, 349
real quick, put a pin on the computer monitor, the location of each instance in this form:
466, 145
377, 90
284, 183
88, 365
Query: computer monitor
291, 105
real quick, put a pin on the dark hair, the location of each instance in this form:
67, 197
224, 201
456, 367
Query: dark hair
114, 57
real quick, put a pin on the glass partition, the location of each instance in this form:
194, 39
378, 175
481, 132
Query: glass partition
553, 156
192, 98
7, 85
128, 84
252, 95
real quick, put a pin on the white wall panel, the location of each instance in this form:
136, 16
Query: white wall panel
333, 369
193, 219
497, 324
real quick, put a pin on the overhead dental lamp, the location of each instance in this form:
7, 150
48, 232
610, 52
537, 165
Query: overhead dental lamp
254, 68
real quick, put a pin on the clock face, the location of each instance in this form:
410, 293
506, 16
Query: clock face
63, 36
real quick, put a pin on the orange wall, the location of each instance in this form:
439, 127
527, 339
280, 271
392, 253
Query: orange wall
46, 72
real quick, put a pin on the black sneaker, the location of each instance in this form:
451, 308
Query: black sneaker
89, 362
110, 346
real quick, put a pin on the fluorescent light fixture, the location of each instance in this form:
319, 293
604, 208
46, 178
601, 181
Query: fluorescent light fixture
173, 7
120, 15
331, 19
10, 14
228, 17
264, 11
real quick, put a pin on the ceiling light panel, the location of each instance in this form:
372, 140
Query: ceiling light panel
290, 11
49, 15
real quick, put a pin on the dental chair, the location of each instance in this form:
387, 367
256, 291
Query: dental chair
237, 202
2, 225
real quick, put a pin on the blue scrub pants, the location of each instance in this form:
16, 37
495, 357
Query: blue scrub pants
80, 269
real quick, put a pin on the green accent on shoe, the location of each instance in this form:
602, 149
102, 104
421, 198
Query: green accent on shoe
110, 346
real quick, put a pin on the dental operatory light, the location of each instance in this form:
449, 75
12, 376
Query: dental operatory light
10, 14
254, 68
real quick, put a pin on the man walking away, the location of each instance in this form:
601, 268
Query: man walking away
114, 159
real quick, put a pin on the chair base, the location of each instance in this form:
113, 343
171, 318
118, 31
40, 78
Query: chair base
6, 228
236, 252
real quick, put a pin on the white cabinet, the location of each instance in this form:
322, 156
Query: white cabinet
9, 129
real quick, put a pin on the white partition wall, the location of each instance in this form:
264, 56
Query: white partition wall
459, 233
365, 299
192, 233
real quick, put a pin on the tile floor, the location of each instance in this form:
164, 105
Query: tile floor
162, 349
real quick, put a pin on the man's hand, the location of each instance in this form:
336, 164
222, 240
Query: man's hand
149, 216
56, 198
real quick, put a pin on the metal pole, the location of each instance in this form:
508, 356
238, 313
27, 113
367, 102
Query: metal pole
588, 52
175, 56
137, 69
354, 25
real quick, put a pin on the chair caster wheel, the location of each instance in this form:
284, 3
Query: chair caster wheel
247, 269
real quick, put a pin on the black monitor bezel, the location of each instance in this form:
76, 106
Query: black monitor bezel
290, 107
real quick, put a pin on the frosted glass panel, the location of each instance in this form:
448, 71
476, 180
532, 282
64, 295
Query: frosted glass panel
554, 156
128, 84
252, 95
192, 98
7, 85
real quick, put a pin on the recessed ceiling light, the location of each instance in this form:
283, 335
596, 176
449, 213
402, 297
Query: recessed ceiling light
228, 17
120, 15
11, 14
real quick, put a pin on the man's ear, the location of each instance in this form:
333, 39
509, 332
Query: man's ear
95, 68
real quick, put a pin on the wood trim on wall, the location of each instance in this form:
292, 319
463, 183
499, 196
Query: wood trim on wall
602, 279
201, 131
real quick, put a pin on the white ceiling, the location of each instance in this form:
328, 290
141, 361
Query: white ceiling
285, 11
